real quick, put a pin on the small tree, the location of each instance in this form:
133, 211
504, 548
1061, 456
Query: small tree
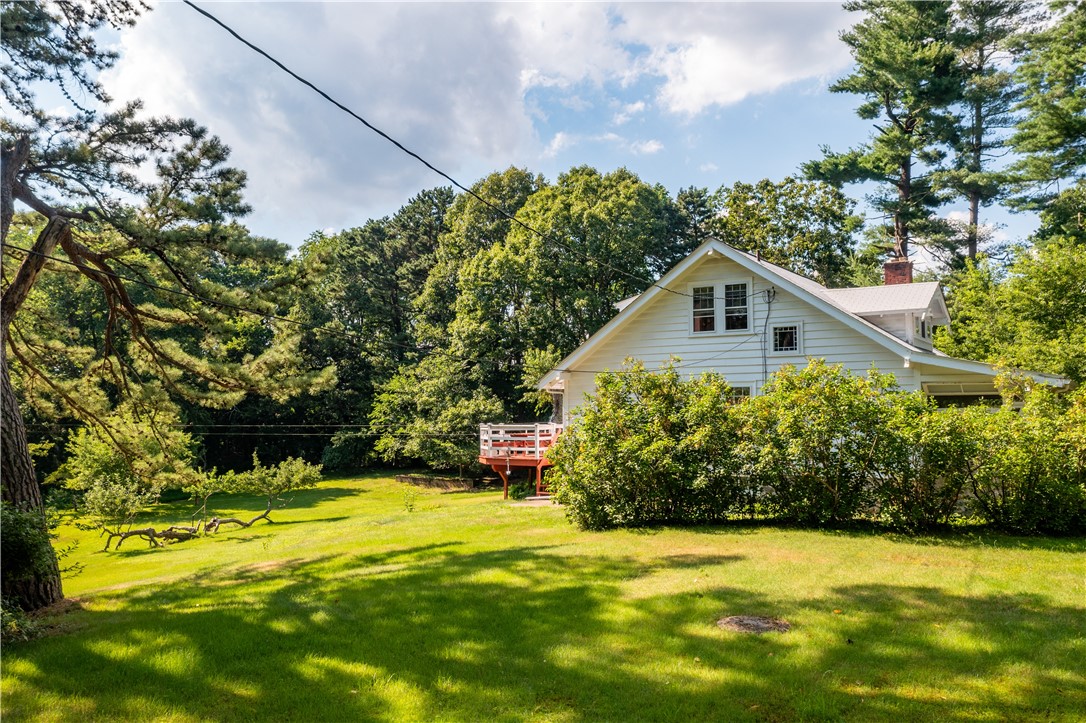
431, 412
122, 468
273, 483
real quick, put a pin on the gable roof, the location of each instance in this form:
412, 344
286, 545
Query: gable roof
810, 291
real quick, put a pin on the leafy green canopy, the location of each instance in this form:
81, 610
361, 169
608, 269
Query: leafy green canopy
521, 296
1032, 316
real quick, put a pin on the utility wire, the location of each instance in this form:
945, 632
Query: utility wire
492, 206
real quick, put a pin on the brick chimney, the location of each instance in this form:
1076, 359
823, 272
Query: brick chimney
897, 271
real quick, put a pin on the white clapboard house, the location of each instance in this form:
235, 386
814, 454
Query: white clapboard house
744, 318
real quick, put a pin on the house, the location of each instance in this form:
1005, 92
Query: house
727, 311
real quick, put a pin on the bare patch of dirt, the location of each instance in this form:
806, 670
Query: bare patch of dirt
753, 624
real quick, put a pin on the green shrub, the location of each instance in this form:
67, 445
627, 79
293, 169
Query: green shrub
811, 440
819, 446
16, 625
649, 448
25, 552
1032, 476
925, 459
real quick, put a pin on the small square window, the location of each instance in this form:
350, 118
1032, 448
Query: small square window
704, 319
786, 338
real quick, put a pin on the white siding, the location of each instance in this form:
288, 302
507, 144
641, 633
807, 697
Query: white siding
896, 324
661, 330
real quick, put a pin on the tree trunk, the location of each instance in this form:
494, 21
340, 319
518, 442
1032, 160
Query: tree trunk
974, 222
975, 167
901, 223
40, 585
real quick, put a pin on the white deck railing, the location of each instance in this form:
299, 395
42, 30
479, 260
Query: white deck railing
517, 441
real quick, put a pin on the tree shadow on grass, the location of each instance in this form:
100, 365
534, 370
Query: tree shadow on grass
966, 536
531, 633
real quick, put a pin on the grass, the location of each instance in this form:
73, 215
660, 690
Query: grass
467, 608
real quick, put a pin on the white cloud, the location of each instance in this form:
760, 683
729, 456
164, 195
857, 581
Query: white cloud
628, 111
645, 148
561, 141
450, 81
717, 54
708, 167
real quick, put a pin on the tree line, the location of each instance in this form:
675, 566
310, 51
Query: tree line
139, 310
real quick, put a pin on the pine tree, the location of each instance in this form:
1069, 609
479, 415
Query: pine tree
165, 268
1051, 136
983, 33
905, 72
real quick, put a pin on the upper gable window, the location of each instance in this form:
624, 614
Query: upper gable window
704, 302
736, 307
922, 329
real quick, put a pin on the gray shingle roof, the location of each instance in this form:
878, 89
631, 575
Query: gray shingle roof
886, 299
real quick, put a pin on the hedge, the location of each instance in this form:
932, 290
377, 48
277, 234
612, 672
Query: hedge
820, 445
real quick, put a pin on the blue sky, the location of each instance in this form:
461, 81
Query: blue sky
699, 94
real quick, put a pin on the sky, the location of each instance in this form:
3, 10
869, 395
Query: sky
683, 94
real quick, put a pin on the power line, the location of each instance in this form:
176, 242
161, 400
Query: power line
494, 207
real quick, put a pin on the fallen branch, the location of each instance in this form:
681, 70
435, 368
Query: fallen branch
216, 522
153, 536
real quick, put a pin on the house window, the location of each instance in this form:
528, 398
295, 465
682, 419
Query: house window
737, 393
736, 307
704, 309
922, 330
557, 398
786, 338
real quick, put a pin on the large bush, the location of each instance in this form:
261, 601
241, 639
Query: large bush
811, 440
925, 458
649, 448
1031, 475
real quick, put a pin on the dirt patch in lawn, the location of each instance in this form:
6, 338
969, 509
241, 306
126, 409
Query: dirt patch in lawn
753, 624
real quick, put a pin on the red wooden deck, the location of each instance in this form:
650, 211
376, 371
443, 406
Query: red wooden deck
505, 446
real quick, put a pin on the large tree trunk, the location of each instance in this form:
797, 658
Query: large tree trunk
40, 585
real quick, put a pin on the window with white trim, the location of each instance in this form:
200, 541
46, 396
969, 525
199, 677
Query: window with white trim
737, 393
922, 329
736, 307
704, 309
786, 338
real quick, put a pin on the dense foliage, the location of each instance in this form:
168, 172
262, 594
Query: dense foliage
820, 446
650, 448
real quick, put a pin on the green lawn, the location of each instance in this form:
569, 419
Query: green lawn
470, 608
